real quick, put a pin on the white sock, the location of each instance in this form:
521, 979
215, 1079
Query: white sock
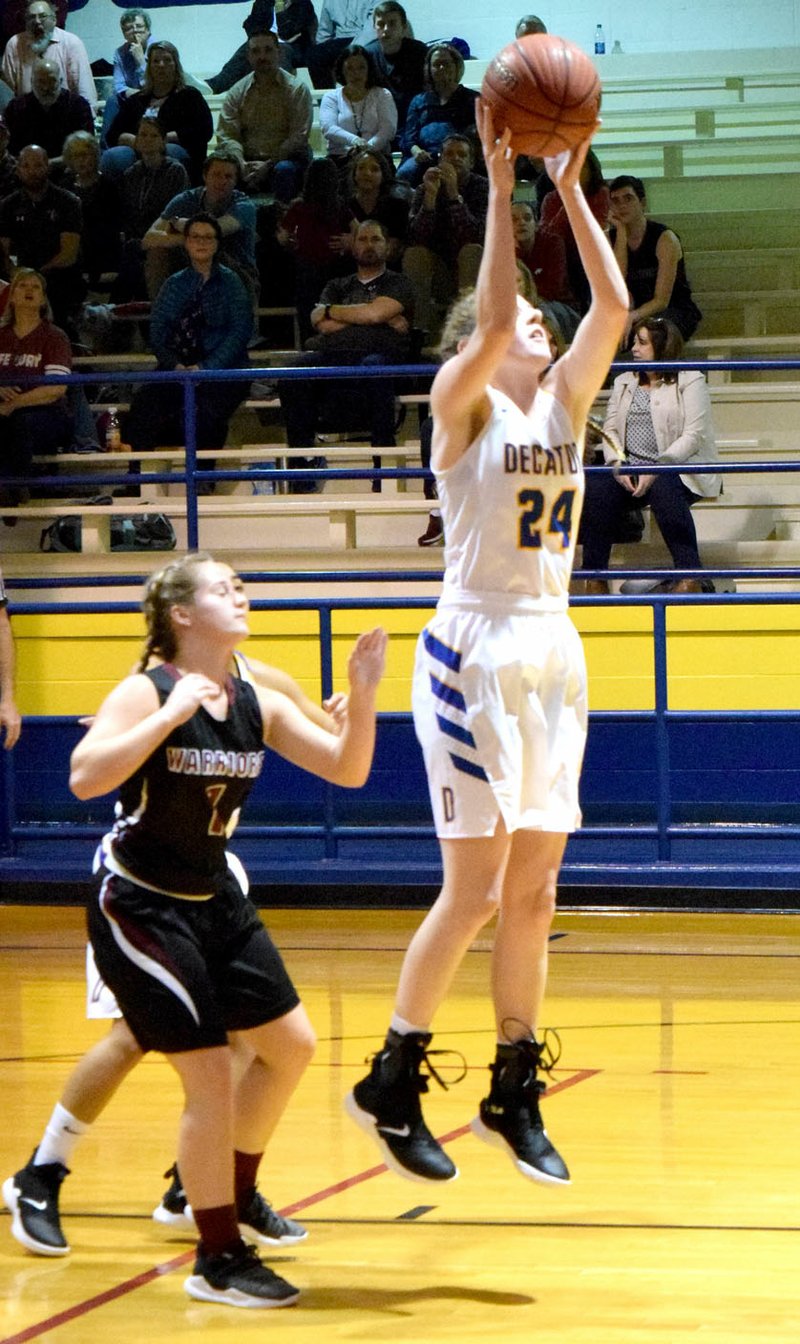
60, 1138
404, 1028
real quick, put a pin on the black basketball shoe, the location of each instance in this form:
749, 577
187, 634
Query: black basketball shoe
32, 1197
174, 1209
259, 1223
238, 1279
387, 1107
509, 1117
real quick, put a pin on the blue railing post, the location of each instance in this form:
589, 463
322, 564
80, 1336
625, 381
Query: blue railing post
190, 441
7, 803
664, 792
326, 680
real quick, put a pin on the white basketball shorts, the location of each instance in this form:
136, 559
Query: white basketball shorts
500, 713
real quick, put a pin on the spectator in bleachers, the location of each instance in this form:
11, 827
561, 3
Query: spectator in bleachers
399, 59
297, 28
263, 18
12, 17
542, 252
130, 63
146, 188
41, 37
181, 110
446, 225
653, 418
311, 232
266, 118
201, 319
364, 318
233, 210
8, 164
33, 418
6, 94
447, 106
650, 256
358, 113
48, 114
40, 225
553, 218
130, 59
371, 196
100, 205
342, 23
529, 23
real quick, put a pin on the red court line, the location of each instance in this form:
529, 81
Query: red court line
148, 1275
82, 1308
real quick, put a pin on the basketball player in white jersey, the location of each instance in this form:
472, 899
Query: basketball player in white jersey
500, 683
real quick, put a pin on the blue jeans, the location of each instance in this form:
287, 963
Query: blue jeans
606, 501
114, 162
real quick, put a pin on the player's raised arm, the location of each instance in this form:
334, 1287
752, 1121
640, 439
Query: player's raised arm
578, 375
458, 396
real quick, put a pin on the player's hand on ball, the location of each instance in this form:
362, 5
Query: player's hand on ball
497, 153
564, 169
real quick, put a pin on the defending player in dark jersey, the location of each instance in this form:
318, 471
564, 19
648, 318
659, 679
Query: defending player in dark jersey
179, 945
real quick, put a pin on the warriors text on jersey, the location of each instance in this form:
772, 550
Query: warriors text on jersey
511, 506
176, 812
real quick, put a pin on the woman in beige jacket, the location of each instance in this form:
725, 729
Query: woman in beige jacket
653, 418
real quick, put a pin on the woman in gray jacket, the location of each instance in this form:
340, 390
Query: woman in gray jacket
653, 418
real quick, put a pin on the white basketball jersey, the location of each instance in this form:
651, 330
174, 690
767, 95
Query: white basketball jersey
511, 507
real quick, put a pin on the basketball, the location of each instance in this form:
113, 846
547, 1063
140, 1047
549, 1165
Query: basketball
545, 90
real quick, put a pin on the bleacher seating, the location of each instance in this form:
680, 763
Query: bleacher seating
715, 137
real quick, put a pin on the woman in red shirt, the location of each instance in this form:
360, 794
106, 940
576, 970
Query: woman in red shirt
34, 416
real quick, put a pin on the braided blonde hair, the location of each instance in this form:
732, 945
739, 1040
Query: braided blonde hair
174, 585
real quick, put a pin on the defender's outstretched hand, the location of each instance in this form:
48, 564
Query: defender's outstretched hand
367, 661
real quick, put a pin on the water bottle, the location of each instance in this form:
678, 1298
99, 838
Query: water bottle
113, 435
599, 41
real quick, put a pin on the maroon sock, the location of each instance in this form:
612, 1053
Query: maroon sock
218, 1228
245, 1171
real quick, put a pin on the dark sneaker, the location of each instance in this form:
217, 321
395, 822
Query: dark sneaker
387, 1107
238, 1279
434, 532
509, 1117
32, 1197
174, 1210
259, 1223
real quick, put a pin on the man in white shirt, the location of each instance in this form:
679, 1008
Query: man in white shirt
41, 37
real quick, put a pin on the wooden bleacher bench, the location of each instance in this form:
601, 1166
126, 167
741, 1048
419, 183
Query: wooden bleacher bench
163, 460
341, 512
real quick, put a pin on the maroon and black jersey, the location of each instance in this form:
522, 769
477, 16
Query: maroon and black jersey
177, 811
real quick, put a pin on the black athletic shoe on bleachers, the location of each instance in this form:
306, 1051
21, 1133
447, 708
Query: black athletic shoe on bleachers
238, 1279
387, 1107
510, 1118
32, 1197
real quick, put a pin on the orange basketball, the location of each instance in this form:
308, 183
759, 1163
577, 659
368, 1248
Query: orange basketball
546, 90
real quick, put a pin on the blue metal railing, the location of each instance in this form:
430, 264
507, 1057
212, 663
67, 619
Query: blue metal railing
663, 830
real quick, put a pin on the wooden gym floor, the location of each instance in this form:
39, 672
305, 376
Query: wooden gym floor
676, 1104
